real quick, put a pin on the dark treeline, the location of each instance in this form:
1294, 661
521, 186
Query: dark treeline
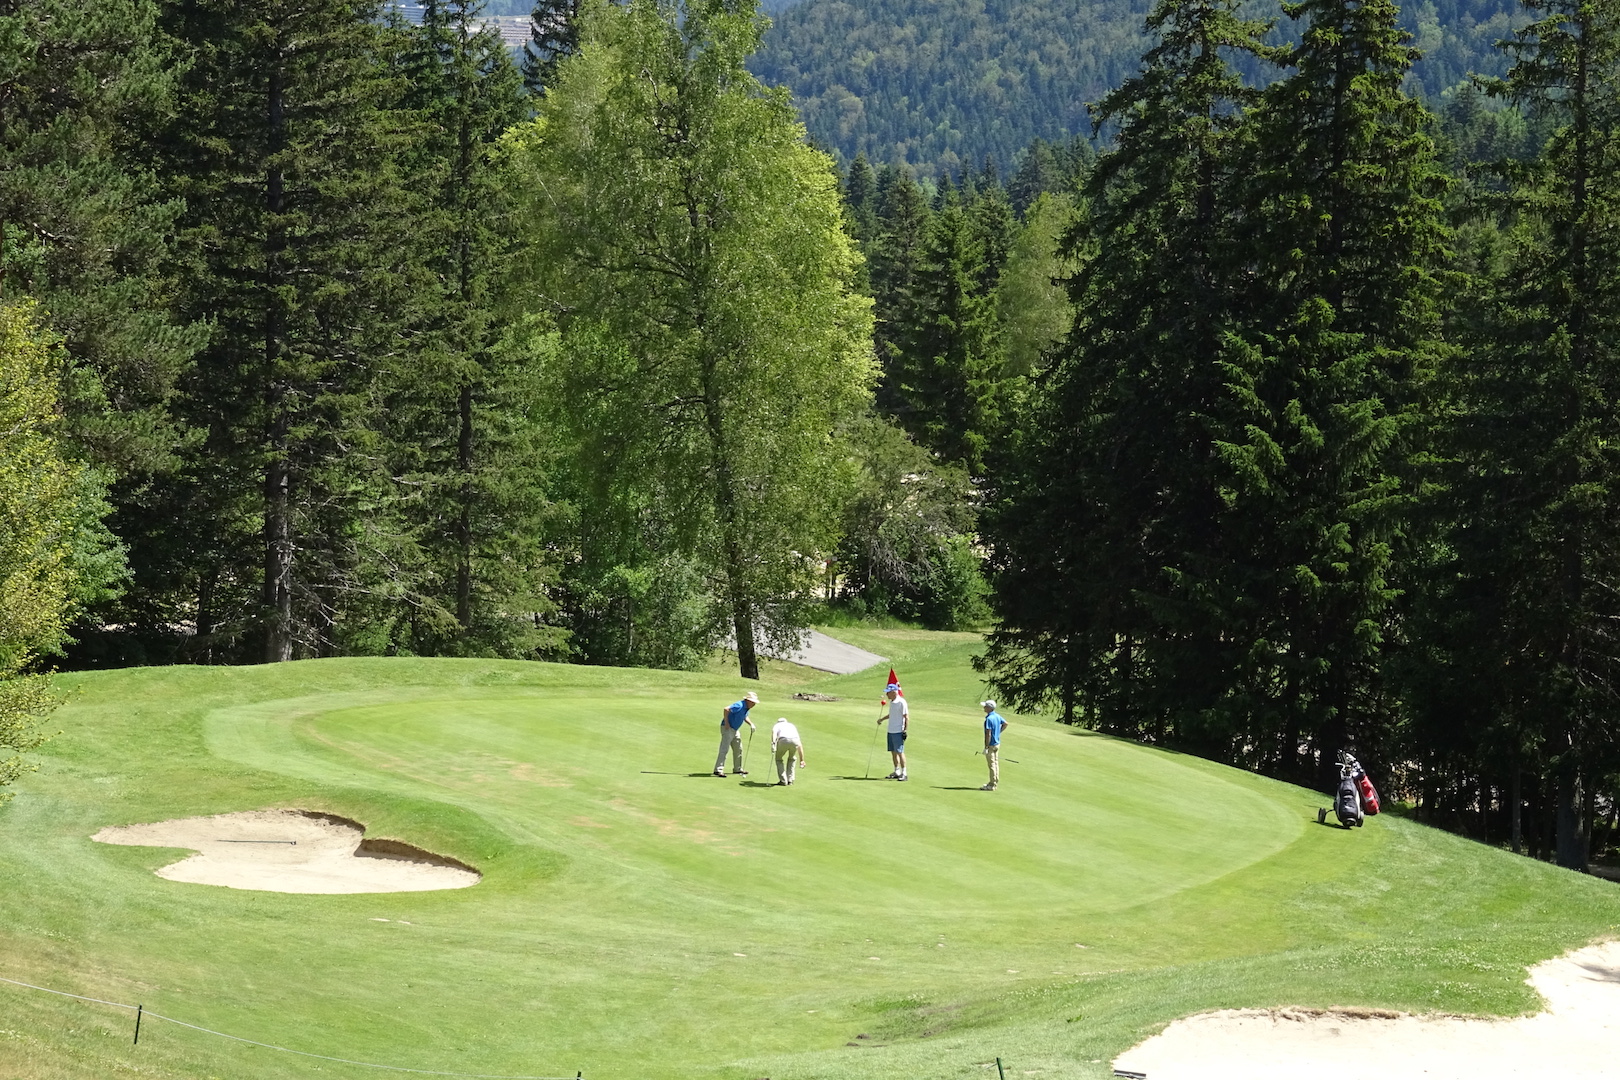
1327, 459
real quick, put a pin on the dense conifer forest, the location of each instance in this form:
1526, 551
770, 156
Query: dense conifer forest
942, 84
1281, 419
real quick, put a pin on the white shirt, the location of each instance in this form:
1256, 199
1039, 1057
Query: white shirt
898, 711
785, 732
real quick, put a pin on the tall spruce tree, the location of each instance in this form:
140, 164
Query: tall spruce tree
1322, 423
553, 38
1538, 491
947, 368
472, 464
86, 229
84, 222
305, 262
895, 255
1104, 510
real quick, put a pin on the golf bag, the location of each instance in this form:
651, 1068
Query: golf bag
1364, 788
1347, 806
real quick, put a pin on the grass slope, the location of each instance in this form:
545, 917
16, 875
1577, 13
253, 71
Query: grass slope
887, 930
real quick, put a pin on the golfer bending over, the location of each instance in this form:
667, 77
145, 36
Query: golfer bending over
732, 718
994, 725
899, 717
786, 745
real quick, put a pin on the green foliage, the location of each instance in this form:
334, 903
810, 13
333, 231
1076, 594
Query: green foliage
908, 549
553, 37
41, 505
1103, 507
84, 224
692, 247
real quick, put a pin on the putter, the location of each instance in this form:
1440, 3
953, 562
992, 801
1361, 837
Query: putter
747, 748
1014, 760
869, 754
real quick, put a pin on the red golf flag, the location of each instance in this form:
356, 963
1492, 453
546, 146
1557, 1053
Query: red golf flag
894, 680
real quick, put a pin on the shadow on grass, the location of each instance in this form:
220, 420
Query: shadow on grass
655, 772
757, 783
942, 787
858, 779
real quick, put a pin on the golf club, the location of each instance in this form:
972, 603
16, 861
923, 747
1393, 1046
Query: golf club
869, 754
1014, 760
749, 747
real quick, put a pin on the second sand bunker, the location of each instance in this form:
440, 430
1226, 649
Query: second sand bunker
292, 851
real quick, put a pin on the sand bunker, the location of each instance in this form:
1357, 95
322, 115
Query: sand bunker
294, 851
1578, 1036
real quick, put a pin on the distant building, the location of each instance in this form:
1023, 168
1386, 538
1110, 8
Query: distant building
514, 29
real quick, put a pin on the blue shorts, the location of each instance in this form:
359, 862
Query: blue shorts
897, 742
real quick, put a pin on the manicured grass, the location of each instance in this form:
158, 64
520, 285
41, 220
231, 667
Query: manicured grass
933, 926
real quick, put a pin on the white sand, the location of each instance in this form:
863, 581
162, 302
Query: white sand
290, 851
1576, 1038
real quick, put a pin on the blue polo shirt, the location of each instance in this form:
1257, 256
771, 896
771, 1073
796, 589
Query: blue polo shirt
736, 714
993, 723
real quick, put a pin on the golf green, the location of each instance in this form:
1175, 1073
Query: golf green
639, 918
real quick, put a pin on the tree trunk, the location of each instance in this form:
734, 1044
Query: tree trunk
278, 543
464, 517
1571, 845
1517, 820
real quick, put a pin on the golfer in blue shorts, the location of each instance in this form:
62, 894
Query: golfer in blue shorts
898, 714
732, 718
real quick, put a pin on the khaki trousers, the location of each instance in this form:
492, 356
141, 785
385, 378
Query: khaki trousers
733, 740
787, 759
992, 757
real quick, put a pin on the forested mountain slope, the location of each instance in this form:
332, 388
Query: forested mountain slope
939, 84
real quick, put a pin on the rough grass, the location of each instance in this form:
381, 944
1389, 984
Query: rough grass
916, 930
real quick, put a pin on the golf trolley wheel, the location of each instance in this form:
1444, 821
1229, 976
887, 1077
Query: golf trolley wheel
1321, 815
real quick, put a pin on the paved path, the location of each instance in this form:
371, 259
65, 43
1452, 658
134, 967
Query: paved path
824, 654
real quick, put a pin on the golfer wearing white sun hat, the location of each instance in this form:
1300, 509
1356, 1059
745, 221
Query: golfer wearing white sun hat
732, 718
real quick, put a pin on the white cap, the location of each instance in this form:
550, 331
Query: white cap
988, 704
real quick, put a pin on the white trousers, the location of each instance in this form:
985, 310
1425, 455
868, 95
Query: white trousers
732, 739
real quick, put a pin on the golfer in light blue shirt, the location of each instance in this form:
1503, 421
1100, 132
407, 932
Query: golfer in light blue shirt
994, 725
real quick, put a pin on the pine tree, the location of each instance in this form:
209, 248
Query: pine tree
1104, 508
894, 258
553, 37
456, 416
1538, 481
305, 261
86, 229
948, 367
1322, 427
84, 222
